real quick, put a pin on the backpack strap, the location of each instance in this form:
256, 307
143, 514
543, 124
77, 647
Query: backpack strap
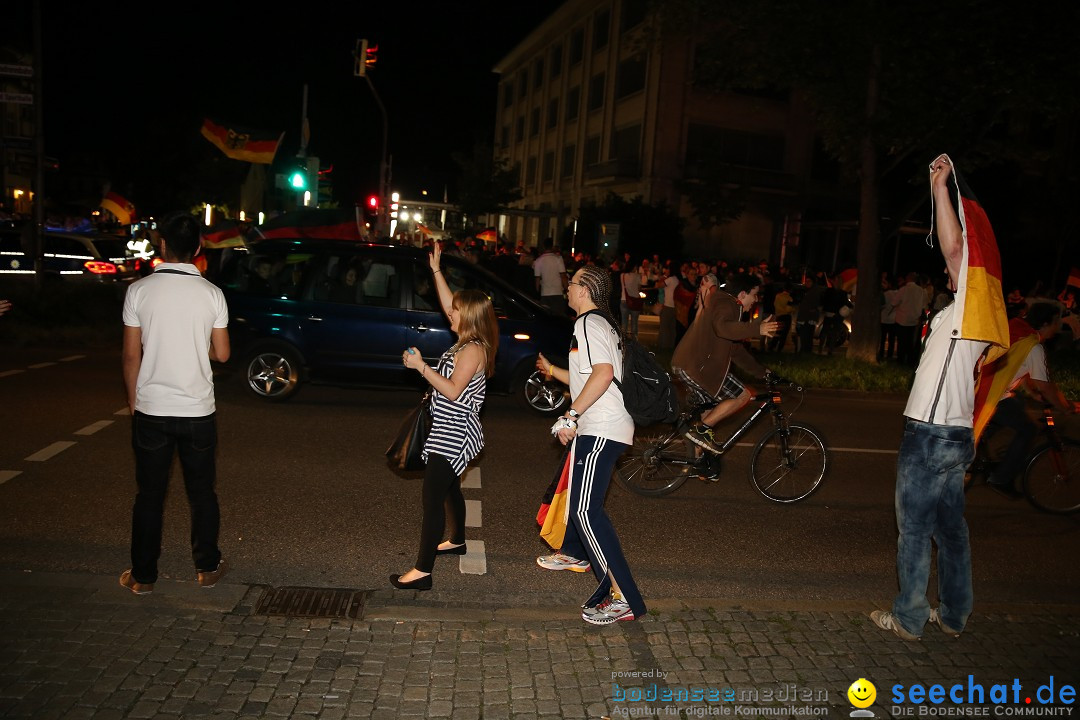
585, 332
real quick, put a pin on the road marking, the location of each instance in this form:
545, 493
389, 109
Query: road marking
471, 478
474, 562
42, 365
122, 411
55, 449
69, 358
473, 516
11, 372
93, 428
872, 451
6, 475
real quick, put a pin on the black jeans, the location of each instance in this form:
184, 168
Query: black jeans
156, 440
443, 502
1010, 414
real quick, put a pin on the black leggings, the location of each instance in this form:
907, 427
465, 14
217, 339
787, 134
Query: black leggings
443, 504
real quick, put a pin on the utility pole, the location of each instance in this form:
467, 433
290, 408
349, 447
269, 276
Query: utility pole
39, 152
364, 61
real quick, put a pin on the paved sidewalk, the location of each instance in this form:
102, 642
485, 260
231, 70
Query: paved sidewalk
79, 646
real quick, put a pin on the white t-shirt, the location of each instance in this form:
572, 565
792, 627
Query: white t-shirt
595, 342
669, 291
1034, 366
631, 283
548, 267
944, 388
176, 314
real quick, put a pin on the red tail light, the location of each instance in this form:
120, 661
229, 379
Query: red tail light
100, 268
155, 261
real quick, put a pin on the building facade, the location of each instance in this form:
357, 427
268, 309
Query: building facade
597, 100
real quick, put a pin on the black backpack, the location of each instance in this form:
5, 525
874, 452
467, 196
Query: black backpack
648, 393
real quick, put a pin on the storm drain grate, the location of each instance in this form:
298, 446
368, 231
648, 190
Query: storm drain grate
311, 602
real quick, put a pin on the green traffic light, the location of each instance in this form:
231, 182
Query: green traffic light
298, 180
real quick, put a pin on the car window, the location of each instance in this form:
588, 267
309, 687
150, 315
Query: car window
113, 249
65, 247
268, 272
464, 277
424, 295
358, 279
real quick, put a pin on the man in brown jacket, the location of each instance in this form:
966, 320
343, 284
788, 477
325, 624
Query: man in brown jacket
703, 358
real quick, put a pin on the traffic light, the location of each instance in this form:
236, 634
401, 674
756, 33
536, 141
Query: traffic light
364, 57
298, 178
373, 203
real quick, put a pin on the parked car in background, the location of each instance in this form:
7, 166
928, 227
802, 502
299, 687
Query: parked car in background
342, 311
73, 256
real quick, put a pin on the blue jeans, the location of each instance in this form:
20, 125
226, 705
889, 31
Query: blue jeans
930, 505
156, 440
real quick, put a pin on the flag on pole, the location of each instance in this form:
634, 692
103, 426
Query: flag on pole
337, 223
226, 234
121, 208
980, 304
253, 146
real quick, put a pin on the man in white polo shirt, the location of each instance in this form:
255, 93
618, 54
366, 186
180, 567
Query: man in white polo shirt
175, 323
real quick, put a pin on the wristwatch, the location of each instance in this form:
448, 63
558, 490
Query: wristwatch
573, 413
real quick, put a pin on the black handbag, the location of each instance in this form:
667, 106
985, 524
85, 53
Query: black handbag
404, 452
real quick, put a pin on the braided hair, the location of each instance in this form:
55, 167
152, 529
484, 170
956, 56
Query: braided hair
597, 282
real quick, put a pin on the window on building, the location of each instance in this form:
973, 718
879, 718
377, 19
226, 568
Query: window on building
538, 73
523, 83
573, 99
705, 143
556, 60
601, 29
534, 123
631, 76
569, 156
577, 46
530, 172
519, 131
505, 136
553, 113
633, 14
596, 91
547, 171
626, 144
592, 150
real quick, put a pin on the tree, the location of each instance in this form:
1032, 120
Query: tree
643, 229
486, 184
890, 85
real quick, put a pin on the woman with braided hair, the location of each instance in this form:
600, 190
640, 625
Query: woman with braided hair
599, 430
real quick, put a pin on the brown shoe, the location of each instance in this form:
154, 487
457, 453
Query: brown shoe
209, 578
134, 586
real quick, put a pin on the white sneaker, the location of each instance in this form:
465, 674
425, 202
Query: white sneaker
888, 621
558, 561
608, 612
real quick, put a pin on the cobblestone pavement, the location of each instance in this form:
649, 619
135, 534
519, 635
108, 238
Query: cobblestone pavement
79, 646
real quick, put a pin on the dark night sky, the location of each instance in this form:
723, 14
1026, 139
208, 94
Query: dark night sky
131, 84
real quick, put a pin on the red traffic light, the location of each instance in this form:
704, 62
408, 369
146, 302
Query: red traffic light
373, 202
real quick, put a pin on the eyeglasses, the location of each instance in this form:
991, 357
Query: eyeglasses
574, 283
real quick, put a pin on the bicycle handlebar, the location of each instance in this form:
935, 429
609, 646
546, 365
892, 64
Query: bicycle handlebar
772, 380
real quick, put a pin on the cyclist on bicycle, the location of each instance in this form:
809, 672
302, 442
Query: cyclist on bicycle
1026, 361
713, 342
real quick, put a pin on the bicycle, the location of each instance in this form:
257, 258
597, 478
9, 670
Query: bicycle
786, 465
1051, 480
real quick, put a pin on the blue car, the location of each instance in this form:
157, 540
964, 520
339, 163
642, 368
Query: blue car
341, 312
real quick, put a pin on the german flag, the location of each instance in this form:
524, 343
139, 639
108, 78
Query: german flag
121, 208
253, 146
980, 304
226, 234
554, 509
330, 224
994, 378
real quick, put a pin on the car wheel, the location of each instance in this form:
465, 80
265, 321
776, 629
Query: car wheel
273, 371
548, 397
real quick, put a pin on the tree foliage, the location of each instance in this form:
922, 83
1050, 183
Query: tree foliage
643, 229
486, 184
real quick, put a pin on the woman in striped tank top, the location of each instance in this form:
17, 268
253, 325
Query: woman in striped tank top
458, 383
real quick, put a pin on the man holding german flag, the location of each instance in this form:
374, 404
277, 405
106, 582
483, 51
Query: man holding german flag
938, 442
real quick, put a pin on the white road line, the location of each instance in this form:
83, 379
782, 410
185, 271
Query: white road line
471, 478
42, 365
473, 516
6, 475
871, 451
474, 562
122, 411
93, 428
55, 449
69, 358
11, 372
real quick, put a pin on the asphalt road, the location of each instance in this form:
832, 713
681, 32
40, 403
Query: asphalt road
307, 499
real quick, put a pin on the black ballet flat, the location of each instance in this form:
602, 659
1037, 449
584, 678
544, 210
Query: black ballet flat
457, 550
420, 583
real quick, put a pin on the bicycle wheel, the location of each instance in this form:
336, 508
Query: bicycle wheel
1052, 478
656, 464
788, 465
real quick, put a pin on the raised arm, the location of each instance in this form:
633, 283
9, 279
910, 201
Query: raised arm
446, 295
949, 232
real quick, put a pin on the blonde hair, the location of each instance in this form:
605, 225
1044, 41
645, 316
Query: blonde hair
476, 323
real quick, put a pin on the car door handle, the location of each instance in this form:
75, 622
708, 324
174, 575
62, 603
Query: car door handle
420, 328
314, 318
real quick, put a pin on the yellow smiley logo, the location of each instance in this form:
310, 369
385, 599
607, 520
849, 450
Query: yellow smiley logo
862, 693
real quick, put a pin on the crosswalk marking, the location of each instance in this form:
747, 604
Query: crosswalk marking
94, 427
55, 449
6, 475
11, 372
473, 515
122, 411
471, 479
38, 366
69, 358
474, 562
